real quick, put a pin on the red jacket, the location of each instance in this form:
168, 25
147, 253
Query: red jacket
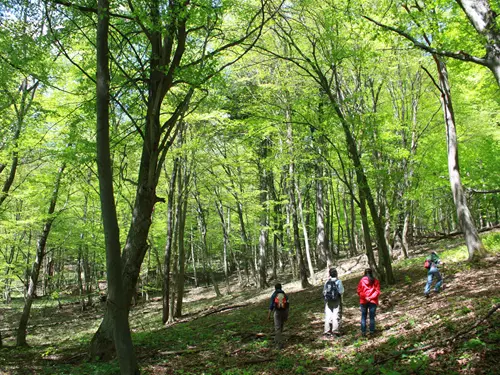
367, 291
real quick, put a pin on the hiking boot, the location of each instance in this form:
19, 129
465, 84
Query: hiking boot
426, 295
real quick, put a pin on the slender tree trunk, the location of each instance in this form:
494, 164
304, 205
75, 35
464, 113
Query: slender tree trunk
225, 241
35, 270
203, 230
27, 96
321, 242
264, 216
191, 244
304, 232
293, 206
168, 245
472, 239
182, 207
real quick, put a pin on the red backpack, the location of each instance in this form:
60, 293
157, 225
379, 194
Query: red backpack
280, 301
427, 264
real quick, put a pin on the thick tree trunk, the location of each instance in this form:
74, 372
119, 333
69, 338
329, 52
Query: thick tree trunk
157, 140
116, 302
472, 239
35, 270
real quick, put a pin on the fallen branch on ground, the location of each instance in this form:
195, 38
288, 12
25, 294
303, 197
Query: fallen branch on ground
202, 314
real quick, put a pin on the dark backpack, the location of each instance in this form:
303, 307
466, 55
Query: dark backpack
332, 292
280, 302
427, 264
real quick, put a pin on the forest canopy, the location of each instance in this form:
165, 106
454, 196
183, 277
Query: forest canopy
241, 139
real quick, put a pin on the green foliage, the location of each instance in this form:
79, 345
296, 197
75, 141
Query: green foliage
474, 344
492, 242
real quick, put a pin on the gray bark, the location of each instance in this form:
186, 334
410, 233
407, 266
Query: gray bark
472, 240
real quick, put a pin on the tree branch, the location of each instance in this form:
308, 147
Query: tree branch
461, 55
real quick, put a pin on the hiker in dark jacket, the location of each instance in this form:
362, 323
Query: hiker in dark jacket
432, 273
332, 293
279, 304
368, 292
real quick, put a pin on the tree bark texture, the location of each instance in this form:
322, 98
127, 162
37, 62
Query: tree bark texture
116, 302
472, 240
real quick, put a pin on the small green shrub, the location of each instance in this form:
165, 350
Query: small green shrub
474, 344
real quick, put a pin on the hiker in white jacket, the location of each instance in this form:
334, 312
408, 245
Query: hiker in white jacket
332, 293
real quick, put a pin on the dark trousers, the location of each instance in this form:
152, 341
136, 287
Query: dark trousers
366, 308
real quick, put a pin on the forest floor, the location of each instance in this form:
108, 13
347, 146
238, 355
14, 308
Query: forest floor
454, 332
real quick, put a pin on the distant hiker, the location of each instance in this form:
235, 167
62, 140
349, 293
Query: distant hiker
431, 263
368, 292
280, 305
332, 293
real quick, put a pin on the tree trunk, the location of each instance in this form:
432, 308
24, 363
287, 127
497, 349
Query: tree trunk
182, 207
203, 230
116, 302
264, 217
293, 206
158, 138
304, 232
27, 96
225, 240
35, 270
364, 188
193, 259
472, 239
168, 245
321, 242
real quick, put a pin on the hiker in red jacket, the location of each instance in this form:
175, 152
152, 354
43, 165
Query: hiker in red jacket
368, 292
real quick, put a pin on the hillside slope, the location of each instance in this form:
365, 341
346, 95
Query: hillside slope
446, 334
